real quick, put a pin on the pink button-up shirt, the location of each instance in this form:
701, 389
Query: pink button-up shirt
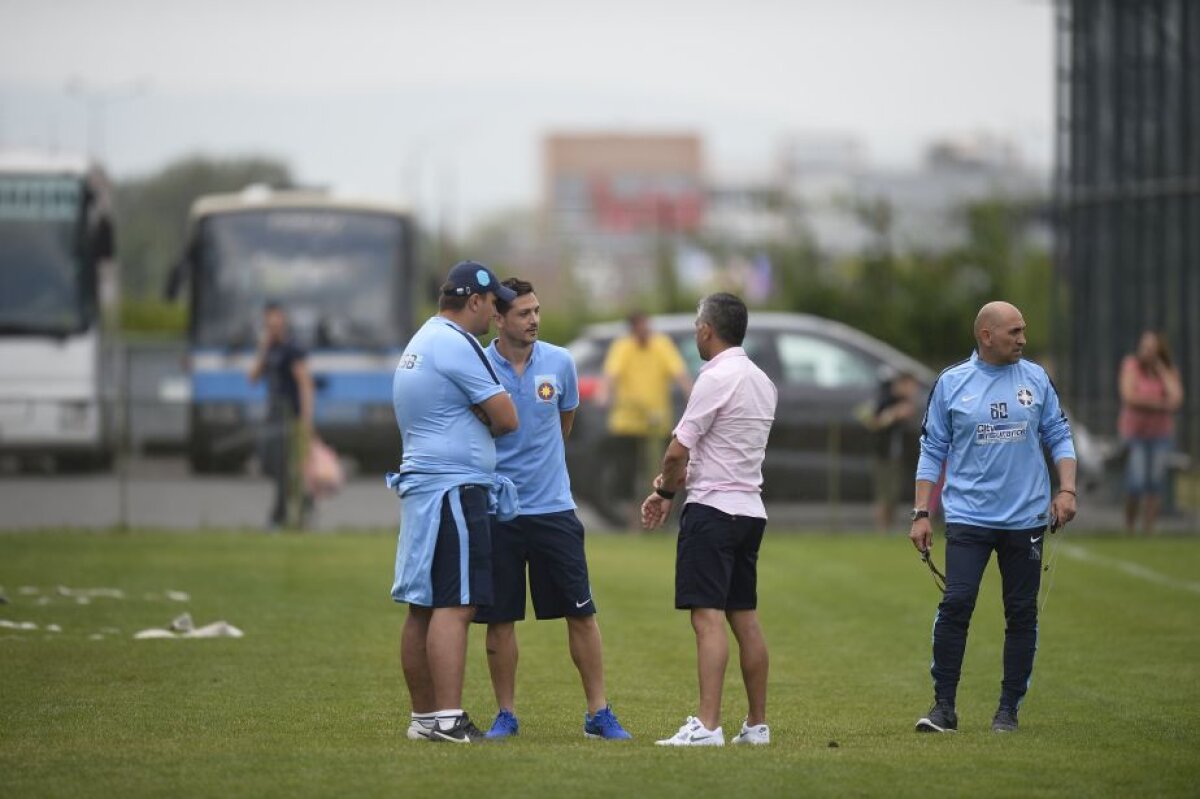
725, 429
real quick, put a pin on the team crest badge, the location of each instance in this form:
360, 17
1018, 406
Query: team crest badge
1024, 396
546, 389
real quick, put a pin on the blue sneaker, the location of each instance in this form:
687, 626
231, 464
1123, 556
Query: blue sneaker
504, 726
604, 725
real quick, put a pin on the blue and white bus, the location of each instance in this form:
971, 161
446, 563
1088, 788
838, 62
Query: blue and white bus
344, 272
57, 280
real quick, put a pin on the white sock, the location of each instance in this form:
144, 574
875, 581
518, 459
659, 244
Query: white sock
425, 719
447, 718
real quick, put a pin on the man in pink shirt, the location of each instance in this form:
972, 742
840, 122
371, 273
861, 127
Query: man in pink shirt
717, 452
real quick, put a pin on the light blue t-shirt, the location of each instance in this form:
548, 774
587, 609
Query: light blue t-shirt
442, 373
988, 424
534, 457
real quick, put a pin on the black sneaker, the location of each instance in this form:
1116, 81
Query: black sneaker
1005, 720
940, 718
463, 732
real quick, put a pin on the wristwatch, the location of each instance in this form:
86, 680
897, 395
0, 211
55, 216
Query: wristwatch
917, 513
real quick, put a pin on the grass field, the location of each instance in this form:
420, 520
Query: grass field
311, 703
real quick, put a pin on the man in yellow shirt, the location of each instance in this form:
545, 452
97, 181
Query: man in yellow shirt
639, 370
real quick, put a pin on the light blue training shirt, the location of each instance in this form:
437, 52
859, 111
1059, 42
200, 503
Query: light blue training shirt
442, 373
988, 424
534, 457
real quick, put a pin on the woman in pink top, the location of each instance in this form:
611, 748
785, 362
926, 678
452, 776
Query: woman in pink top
1151, 391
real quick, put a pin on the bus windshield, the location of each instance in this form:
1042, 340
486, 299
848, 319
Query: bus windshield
40, 261
335, 271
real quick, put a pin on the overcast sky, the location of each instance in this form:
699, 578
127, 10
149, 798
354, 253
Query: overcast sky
447, 100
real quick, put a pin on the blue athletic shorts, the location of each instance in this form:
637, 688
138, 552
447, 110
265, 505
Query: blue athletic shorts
552, 546
716, 559
456, 556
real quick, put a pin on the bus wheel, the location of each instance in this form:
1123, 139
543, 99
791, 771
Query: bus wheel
205, 461
81, 462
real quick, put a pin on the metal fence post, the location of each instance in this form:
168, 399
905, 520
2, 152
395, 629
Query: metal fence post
123, 442
834, 477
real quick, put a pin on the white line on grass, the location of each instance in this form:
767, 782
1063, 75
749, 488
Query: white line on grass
1077, 552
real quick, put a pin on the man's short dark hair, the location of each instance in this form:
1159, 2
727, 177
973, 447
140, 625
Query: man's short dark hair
451, 301
727, 315
516, 284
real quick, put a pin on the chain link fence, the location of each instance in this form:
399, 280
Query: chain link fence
148, 482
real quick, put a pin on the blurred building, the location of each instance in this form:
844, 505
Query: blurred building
1127, 186
847, 205
623, 209
823, 188
615, 202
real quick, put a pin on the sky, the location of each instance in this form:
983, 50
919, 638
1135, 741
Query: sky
444, 105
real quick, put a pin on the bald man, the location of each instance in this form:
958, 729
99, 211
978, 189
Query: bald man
987, 421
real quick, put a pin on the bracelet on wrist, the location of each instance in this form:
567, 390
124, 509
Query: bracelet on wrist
1068, 491
664, 493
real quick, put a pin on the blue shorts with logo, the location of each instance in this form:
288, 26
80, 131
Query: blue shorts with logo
463, 553
551, 544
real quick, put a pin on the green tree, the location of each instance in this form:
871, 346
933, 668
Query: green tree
924, 303
152, 212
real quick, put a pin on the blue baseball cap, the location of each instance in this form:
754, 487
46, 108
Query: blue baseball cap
472, 277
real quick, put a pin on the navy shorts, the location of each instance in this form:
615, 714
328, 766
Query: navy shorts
457, 556
716, 559
552, 546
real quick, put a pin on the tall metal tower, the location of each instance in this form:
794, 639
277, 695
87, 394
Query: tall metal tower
1127, 191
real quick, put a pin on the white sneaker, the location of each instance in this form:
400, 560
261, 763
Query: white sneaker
759, 734
419, 731
694, 733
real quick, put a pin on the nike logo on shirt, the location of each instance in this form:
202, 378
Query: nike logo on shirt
584, 602
969, 397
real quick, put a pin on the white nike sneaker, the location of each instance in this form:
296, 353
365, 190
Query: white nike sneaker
419, 731
759, 734
694, 733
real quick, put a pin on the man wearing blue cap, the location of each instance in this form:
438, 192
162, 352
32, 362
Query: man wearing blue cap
449, 405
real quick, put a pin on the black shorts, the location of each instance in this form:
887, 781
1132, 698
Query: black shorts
716, 559
552, 545
463, 556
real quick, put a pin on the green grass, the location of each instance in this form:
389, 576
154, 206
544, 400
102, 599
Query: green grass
311, 703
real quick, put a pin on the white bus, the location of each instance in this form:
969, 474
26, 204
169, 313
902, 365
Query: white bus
56, 279
342, 269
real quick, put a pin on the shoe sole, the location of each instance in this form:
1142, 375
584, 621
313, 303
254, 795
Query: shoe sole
925, 725
748, 742
701, 743
595, 736
437, 737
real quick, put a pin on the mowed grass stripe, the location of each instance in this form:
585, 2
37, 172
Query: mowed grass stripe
311, 702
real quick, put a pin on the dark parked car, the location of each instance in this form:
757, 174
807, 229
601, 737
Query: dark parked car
819, 450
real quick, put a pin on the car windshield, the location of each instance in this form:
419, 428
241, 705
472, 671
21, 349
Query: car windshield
811, 361
336, 273
589, 352
755, 345
40, 274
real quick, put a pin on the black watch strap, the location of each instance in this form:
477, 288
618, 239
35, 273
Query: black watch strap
919, 514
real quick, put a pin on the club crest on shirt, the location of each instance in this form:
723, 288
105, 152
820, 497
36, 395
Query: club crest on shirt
546, 390
1024, 396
